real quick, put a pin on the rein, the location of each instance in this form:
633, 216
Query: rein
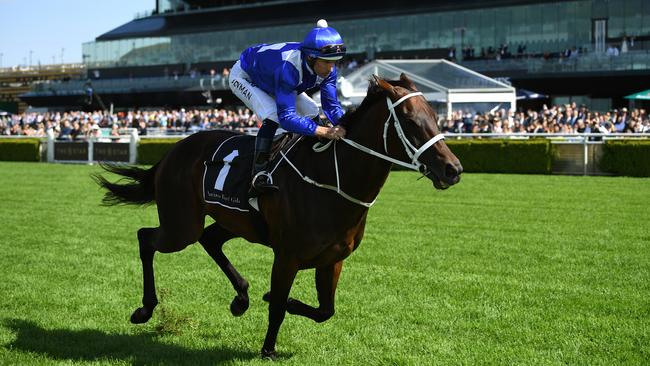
413, 152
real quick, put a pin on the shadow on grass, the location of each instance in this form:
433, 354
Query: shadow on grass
93, 345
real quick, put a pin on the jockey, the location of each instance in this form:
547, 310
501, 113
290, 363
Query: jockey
271, 79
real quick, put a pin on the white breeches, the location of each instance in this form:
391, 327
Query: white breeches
258, 101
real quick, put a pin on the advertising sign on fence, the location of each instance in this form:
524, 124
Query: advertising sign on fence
91, 150
111, 151
71, 151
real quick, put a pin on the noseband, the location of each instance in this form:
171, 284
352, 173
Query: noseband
412, 152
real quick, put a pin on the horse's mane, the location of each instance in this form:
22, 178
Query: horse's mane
374, 93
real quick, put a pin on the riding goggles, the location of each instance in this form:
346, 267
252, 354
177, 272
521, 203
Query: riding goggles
330, 51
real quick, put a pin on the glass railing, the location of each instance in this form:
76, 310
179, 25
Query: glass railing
601, 62
135, 84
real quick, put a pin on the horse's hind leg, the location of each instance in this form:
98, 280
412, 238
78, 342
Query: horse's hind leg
181, 217
150, 241
212, 240
149, 299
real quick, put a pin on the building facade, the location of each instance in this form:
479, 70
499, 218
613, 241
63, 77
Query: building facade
553, 47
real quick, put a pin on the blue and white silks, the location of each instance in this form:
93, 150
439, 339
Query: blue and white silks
271, 79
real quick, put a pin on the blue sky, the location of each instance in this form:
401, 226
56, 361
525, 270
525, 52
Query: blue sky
47, 26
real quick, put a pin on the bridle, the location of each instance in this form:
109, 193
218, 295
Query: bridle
412, 152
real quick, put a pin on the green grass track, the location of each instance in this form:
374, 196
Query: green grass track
500, 269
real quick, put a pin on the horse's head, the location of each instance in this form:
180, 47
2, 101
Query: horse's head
418, 121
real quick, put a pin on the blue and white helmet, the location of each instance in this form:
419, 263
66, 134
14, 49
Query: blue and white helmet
323, 42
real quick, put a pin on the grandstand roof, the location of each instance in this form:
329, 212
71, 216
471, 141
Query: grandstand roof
439, 80
207, 16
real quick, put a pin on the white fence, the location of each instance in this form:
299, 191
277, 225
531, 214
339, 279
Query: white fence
123, 148
577, 154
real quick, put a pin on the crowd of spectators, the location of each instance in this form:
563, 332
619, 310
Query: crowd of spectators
505, 51
561, 119
78, 125
564, 119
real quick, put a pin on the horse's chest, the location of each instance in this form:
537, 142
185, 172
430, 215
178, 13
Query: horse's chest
316, 231
324, 245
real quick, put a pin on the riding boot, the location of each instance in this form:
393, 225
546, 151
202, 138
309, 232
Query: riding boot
262, 181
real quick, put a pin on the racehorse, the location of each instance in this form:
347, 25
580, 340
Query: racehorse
290, 221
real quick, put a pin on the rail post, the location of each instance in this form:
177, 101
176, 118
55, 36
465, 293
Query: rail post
133, 146
586, 153
50, 146
91, 140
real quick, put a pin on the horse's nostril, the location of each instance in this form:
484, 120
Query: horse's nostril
451, 171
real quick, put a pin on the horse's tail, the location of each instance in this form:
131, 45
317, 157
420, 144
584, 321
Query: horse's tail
137, 190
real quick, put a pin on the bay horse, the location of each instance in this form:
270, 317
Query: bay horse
290, 221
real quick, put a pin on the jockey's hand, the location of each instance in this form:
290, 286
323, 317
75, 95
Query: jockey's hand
331, 133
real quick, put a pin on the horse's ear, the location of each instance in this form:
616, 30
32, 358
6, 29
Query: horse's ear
384, 85
408, 82
375, 79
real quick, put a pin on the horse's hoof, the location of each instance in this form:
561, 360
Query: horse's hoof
141, 315
269, 355
267, 297
239, 305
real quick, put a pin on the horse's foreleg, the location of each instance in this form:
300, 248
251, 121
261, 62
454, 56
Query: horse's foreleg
212, 241
326, 280
282, 276
149, 299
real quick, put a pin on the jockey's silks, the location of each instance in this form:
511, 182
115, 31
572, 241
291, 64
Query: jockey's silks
281, 70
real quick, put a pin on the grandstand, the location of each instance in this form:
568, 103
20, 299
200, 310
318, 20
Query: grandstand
175, 55
16, 81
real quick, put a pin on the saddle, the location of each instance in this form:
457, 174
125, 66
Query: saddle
227, 175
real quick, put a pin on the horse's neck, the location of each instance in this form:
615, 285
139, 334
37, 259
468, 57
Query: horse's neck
360, 174
363, 173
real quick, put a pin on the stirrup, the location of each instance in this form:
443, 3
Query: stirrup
260, 185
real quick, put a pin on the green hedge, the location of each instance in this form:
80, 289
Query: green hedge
150, 151
626, 157
24, 149
503, 156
